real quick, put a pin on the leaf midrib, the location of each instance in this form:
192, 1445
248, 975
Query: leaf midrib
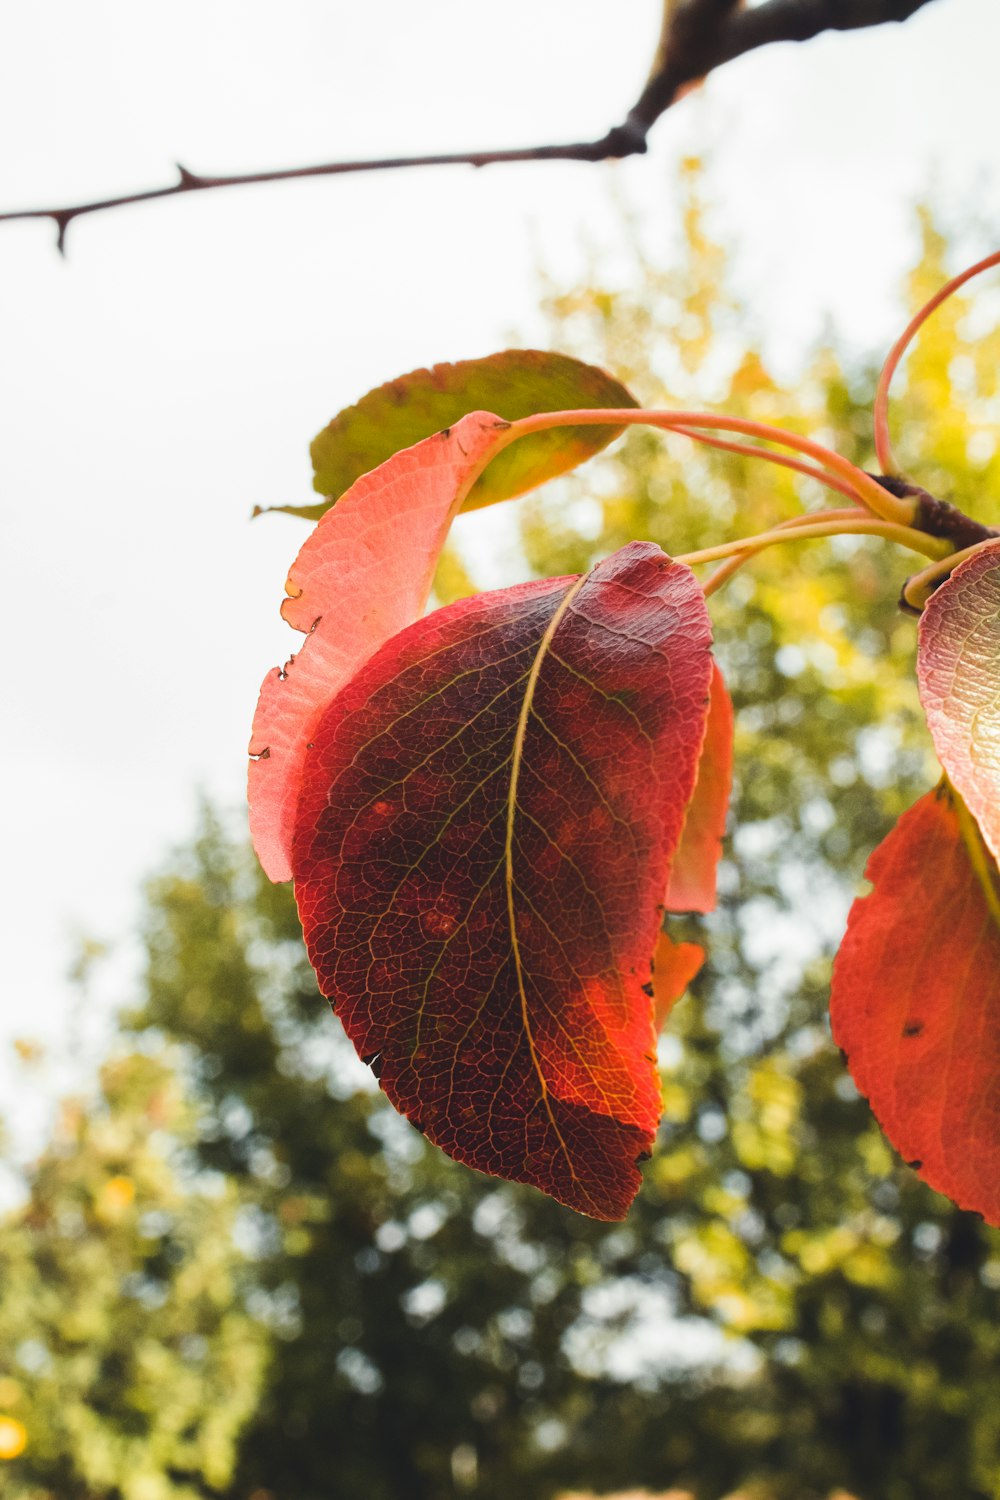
517, 757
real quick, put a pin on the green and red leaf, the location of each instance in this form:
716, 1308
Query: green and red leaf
915, 1001
488, 813
693, 872
516, 383
958, 668
363, 573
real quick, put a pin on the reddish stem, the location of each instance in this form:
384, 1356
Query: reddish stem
818, 526
750, 450
732, 565
867, 490
883, 446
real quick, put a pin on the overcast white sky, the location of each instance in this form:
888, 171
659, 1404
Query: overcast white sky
170, 374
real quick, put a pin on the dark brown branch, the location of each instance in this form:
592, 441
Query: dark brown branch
938, 517
701, 35
697, 37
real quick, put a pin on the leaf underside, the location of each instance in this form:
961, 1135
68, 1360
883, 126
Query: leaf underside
487, 817
693, 871
915, 1002
958, 667
516, 383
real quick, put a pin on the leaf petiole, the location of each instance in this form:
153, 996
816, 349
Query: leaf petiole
784, 460
733, 564
883, 446
983, 865
861, 486
918, 589
904, 536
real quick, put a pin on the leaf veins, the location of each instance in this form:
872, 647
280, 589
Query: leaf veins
915, 1004
488, 814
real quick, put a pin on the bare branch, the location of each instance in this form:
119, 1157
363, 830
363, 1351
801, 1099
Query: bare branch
192, 182
697, 36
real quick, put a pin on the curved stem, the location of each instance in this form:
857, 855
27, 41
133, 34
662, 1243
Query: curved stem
918, 589
883, 446
867, 490
904, 536
751, 450
733, 564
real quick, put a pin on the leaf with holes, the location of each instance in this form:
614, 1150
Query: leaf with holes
958, 667
915, 1001
488, 813
363, 574
516, 383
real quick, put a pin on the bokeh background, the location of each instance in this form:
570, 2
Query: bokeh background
225, 1269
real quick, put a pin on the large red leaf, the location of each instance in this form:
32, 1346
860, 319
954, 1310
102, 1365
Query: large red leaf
693, 872
959, 671
916, 1000
364, 573
487, 816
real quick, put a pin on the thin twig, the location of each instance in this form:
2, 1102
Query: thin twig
697, 37
193, 182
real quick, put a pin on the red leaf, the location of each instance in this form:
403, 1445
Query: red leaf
486, 822
692, 874
958, 667
364, 573
674, 967
916, 1001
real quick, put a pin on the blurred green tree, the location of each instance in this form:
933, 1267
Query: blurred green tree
128, 1366
425, 1307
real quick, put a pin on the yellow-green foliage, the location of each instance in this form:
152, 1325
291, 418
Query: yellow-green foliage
125, 1356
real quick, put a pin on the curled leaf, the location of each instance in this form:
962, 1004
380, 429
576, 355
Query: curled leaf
516, 383
693, 871
363, 574
487, 817
915, 1001
958, 667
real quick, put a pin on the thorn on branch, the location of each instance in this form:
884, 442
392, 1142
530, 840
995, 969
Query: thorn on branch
63, 217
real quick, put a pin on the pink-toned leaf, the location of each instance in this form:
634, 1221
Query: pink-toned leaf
487, 816
674, 967
364, 573
692, 874
915, 1002
958, 666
